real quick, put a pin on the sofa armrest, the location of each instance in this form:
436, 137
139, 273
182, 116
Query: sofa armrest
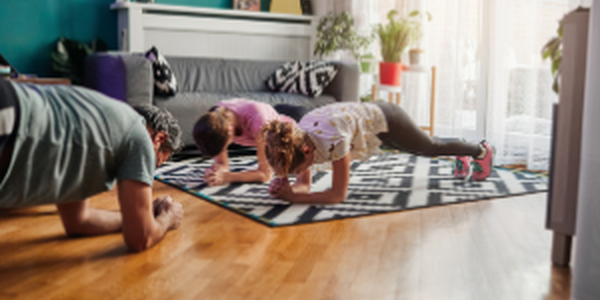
123, 76
344, 86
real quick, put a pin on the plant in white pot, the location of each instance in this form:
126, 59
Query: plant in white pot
394, 38
336, 34
416, 52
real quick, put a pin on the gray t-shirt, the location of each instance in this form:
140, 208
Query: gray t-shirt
72, 143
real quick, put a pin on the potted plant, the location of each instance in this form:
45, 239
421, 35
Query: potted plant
368, 63
394, 38
335, 33
552, 50
416, 53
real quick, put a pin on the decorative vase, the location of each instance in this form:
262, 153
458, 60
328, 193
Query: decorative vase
390, 73
416, 56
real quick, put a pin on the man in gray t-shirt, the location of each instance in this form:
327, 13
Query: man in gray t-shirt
68, 143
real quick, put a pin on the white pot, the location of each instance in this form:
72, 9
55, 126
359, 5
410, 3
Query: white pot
416, 56
338, 55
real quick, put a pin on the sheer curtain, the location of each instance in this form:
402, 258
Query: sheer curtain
491, 80
518, 118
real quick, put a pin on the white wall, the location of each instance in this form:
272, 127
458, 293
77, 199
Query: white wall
586, 278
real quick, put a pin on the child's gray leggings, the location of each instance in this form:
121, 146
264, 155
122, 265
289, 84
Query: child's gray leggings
403, 134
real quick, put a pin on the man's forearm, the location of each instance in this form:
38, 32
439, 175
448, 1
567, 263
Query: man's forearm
152, 235
141, 229
78, 219
103, 221
98, 222
159, 231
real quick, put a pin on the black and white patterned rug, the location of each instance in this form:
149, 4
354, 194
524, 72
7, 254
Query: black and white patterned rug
384, 183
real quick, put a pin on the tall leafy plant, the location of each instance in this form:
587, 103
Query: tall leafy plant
417, 18
337, 32
394, 36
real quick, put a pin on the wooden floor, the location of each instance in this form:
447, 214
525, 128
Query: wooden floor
495, 249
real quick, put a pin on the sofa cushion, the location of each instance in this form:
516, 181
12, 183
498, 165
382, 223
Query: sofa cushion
165, 83
106, 73
140, 79
307, 78
196, 74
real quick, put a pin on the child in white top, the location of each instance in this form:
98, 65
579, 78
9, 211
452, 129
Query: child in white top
334, 135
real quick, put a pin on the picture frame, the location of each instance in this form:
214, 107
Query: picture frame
251, 5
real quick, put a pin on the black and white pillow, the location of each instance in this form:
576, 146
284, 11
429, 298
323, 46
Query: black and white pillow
307, 78
165, 83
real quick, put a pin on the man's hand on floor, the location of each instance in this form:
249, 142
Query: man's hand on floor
169, 211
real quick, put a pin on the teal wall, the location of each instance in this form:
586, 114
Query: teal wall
29, 28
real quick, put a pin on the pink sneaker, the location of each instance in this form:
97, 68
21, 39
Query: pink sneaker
482, 168
462, 166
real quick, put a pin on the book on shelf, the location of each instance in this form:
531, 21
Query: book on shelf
306, 7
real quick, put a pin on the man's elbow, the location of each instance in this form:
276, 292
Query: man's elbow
74, 231
76, 228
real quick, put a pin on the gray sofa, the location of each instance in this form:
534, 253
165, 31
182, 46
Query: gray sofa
202, 82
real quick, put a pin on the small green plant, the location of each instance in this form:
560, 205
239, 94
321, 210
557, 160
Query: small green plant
367, 63
337, 32
394, 37
365, 98
417, 31
553, 50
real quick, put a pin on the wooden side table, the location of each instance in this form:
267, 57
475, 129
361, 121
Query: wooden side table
36, 80
394, 92
395, 95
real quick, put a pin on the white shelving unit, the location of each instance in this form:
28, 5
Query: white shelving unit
207, 32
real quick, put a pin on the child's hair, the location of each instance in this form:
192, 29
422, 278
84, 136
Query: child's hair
283, 146
211, 132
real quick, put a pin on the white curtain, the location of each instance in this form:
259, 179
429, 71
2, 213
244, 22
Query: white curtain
518, 115
491, 80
